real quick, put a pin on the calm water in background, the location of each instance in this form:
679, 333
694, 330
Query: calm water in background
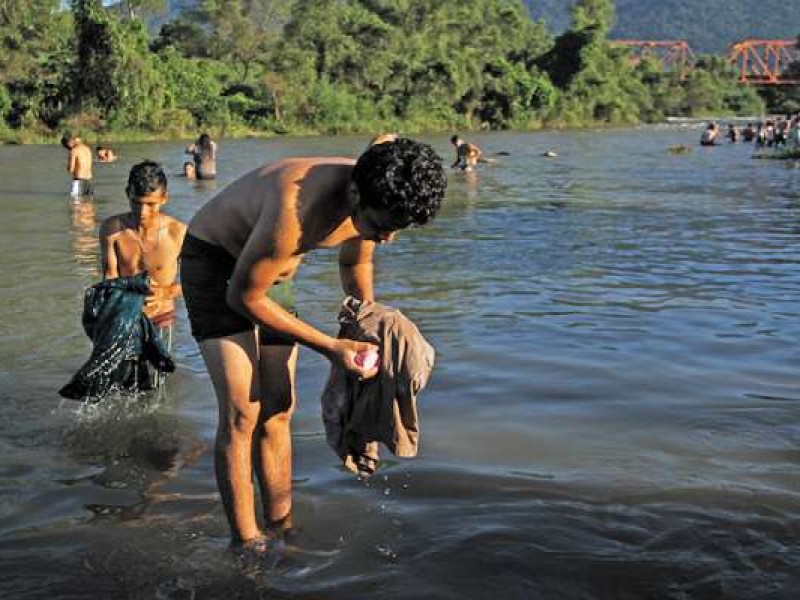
615, 410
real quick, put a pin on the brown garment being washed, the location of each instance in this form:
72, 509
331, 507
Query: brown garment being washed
359, 414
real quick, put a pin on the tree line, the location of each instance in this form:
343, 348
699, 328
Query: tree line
332, 66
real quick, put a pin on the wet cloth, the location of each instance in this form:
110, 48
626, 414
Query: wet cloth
124, 340
205, 272
359, 414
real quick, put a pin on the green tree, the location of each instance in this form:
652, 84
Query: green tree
594, 14
95, 58
34, 60
597, 81
187, 37
136, 9
243, 31
436, 62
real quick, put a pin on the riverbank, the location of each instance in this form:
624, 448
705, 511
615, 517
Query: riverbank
26, 137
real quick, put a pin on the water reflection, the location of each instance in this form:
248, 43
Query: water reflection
84, 237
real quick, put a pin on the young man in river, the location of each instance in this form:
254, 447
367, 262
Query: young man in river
145, 239
246, 244
79, 166
467, 155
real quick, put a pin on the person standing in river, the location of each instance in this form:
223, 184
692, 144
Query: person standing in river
241, 252
79, 166
204, 154
146, 239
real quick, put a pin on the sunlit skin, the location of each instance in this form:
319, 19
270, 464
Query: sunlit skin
106, 155
79, 162
467, 155
270, 219
145, 239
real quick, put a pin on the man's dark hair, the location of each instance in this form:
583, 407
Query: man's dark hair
145, 178
454, 139
65, 139
404, 177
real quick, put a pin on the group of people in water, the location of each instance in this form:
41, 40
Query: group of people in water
234, 262
778, 133
202, 164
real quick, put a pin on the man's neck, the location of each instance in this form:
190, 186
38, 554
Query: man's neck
143, 228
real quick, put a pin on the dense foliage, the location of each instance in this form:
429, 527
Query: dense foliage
239, 66
708, 25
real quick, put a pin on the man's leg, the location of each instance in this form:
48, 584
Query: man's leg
273, 446
231, 363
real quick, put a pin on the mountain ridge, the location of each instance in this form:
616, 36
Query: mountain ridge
709, 26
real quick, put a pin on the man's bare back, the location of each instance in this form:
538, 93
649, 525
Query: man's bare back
305, 199
80, 161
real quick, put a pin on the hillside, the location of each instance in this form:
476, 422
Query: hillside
708, 25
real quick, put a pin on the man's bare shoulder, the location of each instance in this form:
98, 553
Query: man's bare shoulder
114, 224
301, 165
175, 227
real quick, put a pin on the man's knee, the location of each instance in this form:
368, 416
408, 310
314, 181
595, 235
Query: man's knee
240, 422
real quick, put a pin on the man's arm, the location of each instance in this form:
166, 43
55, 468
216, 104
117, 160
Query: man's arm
108, 254
356, 268
271, 251
72, 161
180, 233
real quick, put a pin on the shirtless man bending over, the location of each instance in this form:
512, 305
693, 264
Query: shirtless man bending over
248, 242
79, 166
145, 239
467, 155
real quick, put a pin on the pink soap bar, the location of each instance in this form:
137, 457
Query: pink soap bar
367, 359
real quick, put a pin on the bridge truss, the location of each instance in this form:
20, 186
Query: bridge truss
765, 62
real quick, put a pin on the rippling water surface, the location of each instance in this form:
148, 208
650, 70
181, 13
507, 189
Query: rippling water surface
615, 410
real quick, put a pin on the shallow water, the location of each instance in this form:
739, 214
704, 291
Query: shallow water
615, 410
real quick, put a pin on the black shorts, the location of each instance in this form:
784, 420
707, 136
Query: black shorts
205, 272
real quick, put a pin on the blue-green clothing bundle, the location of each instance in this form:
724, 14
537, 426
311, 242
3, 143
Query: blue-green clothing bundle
124, 340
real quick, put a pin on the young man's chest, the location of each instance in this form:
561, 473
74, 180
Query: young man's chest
157, 254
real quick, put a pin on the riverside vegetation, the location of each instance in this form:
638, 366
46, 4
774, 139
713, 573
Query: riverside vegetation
260, 67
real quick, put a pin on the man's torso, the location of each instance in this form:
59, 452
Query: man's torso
469, 153
156, 252
311, 192
82, 168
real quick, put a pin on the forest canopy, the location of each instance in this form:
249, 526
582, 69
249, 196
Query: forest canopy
332, 66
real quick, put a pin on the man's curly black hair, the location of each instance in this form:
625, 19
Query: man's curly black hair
145, 178
403, 176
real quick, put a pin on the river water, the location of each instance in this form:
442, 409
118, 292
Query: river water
614, 413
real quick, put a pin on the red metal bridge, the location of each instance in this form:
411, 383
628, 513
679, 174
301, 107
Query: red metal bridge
765, 62
757, 62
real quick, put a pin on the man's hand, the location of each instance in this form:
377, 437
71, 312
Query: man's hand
159, 293
344, 352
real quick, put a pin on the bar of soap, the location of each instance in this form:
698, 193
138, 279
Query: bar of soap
367, 359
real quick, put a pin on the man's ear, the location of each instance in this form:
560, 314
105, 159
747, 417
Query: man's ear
165, 198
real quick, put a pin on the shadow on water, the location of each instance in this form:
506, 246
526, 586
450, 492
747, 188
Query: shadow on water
515, 536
